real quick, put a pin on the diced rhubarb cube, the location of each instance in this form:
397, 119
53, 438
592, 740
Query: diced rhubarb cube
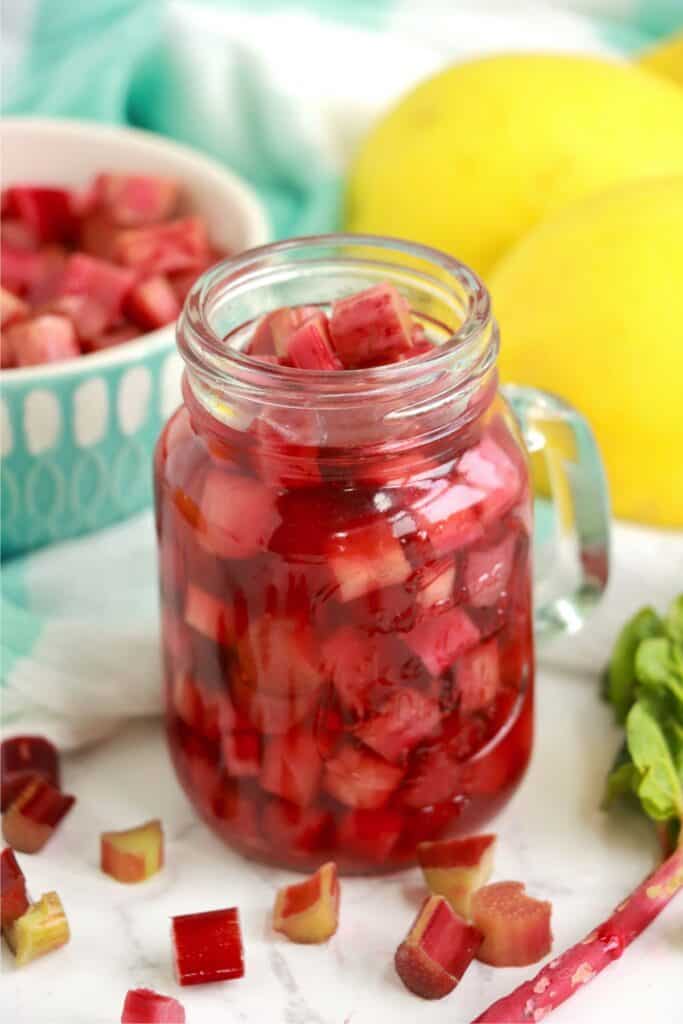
143, 1006
133, 855
309, 911
278, 656
98, 235
47, 212
372, 324
440, 639
42, 928
436, 584
405, 719
22, 758
18, 234
241, 753
456, 868
359, 778
309, 346
293, 829
488, 468
367, 557
358, 664
437, 951
14, 899
30, 820
478, 676
89, 317
516, 927
12, 309
208, 615
43, 339
134, 200
291, 766
271, 715
163, 248
280, 461
487, 571
448, 514
18, 267
100, 281
153, 303
239, 515
370, 835
207, 947
273, 331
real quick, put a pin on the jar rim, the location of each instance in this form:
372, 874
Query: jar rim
468, 352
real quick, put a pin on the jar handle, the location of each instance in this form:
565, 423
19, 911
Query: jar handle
572, 512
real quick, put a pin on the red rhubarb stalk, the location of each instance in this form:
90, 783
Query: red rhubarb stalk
568, 973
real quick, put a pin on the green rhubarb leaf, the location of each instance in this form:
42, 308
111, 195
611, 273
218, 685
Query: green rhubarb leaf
621, 682
622, 779
658, 666
673, 622
659, 785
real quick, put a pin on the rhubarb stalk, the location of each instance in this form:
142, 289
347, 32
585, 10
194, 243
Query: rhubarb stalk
566, 974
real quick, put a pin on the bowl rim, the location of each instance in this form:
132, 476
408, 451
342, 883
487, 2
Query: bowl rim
152, 342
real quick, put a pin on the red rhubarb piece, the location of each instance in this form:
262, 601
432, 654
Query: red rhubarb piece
208, 615
279, 460
43, 339
30, 820
97, 235
47, 212
278, 656
478, 676
436, 584
488, 468
291, 829
455, 868
359, 778
207, 947
405, 719
371, 325
440, 639
110, 339
100, 281
370, 835
268, 714
238, 513
273, 331
241, 753
516, 927
133, 855
309, 911
487, 571
291, 766
153, 303
437, 951
163, 248
143, 1006
19, 267
367, 557
22, 758
309, 346
18, 235
12, 308
14, 899
448, 514
134, 200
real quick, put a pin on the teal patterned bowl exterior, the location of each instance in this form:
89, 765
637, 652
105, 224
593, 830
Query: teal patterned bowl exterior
77, 444
77, 438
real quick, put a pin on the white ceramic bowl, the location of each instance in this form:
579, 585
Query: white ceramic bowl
78, 436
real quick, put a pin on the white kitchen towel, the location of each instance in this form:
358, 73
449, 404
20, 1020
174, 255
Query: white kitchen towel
281, 92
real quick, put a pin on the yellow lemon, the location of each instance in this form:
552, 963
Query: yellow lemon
590, 306
666, 59
476, 156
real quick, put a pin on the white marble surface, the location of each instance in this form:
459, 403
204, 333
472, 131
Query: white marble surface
552, 836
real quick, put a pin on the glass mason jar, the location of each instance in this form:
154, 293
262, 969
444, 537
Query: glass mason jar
345, 565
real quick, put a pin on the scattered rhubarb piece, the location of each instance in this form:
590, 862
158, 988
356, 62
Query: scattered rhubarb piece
455, 868
309, 346
207, 947
370, 325
42, 928
516, 927
134, 854
437, 951
21, 759
309, 911
359, 778
568, 973
30, 820
14, 899
143, 1006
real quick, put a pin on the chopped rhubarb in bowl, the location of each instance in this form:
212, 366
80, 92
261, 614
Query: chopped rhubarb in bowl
341, 539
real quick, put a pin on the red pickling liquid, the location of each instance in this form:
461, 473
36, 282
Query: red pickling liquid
348, 652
